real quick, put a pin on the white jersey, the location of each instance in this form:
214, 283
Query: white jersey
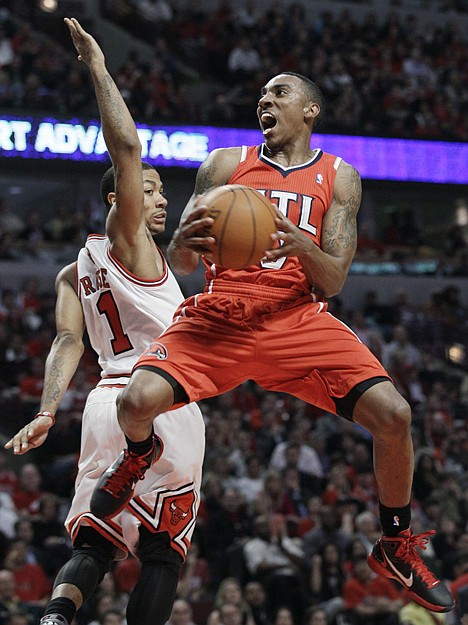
123, 313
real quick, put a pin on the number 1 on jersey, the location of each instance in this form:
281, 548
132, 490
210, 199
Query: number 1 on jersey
107, 306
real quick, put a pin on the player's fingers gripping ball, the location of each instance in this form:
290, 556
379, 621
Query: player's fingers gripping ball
244, 221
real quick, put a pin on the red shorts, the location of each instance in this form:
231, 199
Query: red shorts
292, 345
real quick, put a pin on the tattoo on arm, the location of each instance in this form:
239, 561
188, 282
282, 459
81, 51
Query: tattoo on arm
205, 179
52, 388
111, 101
342, 233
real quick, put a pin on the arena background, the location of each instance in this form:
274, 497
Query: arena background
412, 275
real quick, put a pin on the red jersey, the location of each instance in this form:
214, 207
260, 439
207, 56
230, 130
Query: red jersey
303, 193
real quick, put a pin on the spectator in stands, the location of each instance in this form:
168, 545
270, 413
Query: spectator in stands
327, 578
338, 485
9, 600
371, 599
226, 527
230, 593
27, 496
50, 540
251, 484
328, 530
307, 460
229, 614
32, 585
10, 221
401, 343
243, 60
194, 579
6, 49
367, 529
315, 615
277, 561
256, 597
246, 16
31, 385
8, 478
283, 616
426, 476
181, 614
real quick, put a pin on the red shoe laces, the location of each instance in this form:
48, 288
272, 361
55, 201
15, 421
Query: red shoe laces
132, 468
407, 552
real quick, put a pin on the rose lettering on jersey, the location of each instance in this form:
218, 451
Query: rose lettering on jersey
100, 282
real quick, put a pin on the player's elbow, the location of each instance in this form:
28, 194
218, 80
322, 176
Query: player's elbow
333, 290
126, 149
67, 341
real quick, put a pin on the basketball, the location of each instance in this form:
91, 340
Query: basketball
244, 221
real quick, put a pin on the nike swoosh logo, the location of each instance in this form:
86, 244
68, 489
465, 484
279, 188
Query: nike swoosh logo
407, 581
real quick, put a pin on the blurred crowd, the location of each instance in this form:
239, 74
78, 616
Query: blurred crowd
54, 234
289, 499
384, 76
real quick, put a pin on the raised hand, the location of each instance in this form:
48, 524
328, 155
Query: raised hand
87, 47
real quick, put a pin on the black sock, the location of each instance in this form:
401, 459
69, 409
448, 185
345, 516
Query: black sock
63, 606
141, 447
394, 520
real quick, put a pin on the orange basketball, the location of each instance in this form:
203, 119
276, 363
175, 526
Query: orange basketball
244, 221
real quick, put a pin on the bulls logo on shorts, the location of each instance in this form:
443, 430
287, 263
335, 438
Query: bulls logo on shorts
158, 350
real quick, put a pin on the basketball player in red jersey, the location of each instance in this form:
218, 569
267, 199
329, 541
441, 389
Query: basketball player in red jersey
269, 322
123, 292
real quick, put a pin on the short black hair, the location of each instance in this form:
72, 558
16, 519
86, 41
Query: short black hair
108, 182
313, 92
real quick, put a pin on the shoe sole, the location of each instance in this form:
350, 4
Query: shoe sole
381, 569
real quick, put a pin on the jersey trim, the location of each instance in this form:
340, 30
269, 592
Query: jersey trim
109, 530
77, 281
117, 380
284, 171
131, 277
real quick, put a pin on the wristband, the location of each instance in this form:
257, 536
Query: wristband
45, 413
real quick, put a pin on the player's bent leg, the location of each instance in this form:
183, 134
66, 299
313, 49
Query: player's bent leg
152, 598
79, 577
146, 395
387, 416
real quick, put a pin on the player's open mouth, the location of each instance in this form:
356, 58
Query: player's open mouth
268, 122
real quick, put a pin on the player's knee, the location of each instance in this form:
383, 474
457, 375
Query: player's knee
396, 418
86, 569
140, 399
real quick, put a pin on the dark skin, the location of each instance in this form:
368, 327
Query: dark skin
283, 102
286, 116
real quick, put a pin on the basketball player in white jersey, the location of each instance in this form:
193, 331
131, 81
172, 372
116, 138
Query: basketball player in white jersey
122, 291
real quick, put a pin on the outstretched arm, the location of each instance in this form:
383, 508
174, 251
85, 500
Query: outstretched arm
326, 267
61, 363
128, 224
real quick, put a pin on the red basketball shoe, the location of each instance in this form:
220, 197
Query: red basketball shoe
116, 485
397, 558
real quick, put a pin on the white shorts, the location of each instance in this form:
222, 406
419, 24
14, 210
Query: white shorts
166, 500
